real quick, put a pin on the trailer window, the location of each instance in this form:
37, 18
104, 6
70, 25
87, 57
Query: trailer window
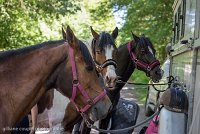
179, 23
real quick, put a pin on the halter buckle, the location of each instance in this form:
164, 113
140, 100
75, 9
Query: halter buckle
75, 82
135, 60
99, 68
148, 68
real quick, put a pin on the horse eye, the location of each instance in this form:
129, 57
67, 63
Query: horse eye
89, 68
98, 51
142, 51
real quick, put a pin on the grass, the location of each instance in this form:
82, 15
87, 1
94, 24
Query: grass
140, 94
140, 91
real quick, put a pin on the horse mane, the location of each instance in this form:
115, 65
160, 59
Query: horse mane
86, 55
14, 52
122, 45
10, 53
143, 40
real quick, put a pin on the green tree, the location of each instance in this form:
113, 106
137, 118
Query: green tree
20, 21
84, 18
32, 21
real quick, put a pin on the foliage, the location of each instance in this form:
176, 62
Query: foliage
21, 21
28, 22
86, 17
139, 76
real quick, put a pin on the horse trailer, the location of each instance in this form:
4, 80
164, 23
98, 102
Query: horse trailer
185, 58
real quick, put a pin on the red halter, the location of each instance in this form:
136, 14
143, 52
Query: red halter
77, 85
145, 66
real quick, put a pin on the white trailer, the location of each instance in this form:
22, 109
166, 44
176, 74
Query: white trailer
185, 59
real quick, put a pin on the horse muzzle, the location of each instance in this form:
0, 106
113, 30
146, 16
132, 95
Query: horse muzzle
100, 109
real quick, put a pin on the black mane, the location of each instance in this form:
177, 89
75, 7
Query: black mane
11, 53
86, 55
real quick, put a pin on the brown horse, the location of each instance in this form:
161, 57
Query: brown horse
25, 74
104, 53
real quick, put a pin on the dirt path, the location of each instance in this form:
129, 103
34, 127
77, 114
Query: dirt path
128, 93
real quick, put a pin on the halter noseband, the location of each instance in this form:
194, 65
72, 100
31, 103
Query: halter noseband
76, 85
106, 63
143, 65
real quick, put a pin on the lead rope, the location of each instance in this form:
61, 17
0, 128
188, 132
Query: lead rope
124, 129
137, 83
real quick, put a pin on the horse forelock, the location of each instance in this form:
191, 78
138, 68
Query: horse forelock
146, 43
105, 40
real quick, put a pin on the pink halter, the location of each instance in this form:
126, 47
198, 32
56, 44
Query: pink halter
145, 66
77, 85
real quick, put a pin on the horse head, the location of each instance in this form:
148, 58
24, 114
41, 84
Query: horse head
104, 53
143, 54
76, 78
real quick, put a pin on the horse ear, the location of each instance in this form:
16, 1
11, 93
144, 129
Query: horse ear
115, 33
136, 38
64, 33
94, 33
71, 38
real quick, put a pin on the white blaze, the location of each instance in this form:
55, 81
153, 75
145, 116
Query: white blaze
110, 69
150, 50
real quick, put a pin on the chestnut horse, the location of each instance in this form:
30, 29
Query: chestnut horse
138, 53
25, 75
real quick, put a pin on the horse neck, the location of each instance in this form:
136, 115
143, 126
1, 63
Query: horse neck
25, 79
125, 66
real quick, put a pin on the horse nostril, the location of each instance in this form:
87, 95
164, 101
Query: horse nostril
114, 79
158, 72
108, 79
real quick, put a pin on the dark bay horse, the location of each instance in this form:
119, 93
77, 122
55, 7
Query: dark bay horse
138, 53
25, 75
104, 52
